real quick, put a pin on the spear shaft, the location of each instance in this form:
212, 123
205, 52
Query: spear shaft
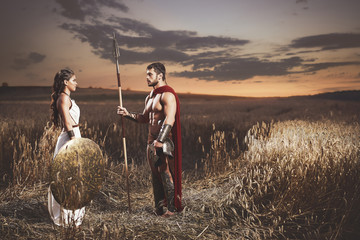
117, 54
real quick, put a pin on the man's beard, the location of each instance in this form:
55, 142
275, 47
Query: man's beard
152, 84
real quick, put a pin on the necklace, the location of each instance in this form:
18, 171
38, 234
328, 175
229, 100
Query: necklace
66, 94
70, 99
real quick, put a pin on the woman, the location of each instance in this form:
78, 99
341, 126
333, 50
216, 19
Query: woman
65, 114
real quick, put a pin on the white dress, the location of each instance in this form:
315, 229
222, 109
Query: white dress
60, 215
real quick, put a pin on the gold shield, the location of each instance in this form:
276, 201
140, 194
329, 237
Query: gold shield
77, 173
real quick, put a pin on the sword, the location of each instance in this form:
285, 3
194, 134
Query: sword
117, 55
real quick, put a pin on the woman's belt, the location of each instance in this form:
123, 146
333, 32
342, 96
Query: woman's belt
75, 125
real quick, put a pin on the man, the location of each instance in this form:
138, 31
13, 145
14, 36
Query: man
162, 114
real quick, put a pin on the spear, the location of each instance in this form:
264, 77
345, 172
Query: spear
117, 55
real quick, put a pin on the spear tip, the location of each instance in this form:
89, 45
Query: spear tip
116, 46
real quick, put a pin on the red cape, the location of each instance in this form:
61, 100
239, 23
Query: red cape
176, 133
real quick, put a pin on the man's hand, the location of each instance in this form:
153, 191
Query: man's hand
122, 111
157, 144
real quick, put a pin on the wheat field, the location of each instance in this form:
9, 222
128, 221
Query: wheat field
252, 169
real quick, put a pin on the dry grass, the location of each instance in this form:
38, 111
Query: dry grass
302, 180
283, 179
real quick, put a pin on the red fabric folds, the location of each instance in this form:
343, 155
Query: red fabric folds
176, 133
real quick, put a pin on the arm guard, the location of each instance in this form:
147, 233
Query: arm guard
132, 117
164, 133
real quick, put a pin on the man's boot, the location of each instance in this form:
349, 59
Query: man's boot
158, 194
169, 191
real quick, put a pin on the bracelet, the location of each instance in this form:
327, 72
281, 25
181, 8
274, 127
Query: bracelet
164, 132
132, 117
70, 133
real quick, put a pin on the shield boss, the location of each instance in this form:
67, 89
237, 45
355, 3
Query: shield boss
77, 173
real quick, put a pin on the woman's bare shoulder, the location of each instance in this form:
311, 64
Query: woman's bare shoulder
63, 100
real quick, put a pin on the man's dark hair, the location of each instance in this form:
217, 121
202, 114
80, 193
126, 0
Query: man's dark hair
158, 68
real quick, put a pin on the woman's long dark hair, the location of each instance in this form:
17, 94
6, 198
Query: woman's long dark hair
58, 87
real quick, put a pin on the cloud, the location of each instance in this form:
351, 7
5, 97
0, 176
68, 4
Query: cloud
211, 58
79, 9
328, 41
72, 9
230, 69
334, 89
302, 52
239, 68
302, 2
36, 57
140, 42
195, 43
321, 66
24, 62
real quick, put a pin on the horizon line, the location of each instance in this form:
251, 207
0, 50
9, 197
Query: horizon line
189, 93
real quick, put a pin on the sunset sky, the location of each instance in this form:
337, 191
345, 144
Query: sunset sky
256, 48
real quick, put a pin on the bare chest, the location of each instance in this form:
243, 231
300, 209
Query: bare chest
154, 104
155, 110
